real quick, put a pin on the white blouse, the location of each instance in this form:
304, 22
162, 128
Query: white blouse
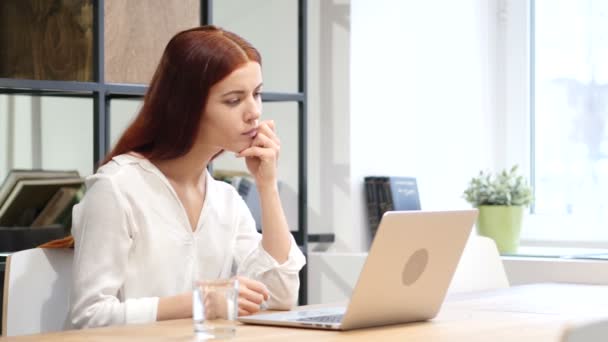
134, 244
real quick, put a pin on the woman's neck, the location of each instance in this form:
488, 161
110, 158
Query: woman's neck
189, 168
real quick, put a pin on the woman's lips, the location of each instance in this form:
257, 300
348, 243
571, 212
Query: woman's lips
251, 133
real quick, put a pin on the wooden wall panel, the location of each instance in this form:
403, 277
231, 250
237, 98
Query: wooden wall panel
46, 39
137, 31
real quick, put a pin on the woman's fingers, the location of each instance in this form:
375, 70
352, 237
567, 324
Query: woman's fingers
215, 306
255, 285
262, 147
268, 129
252, 296
256, 151
270, 124
263, 140
248, 306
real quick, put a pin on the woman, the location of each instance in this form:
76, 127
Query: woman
153, 220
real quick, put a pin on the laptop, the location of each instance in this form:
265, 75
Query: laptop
405, 277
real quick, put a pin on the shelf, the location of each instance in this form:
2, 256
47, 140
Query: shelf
24, 86
40, 86
110, 38
322, 238
282, 97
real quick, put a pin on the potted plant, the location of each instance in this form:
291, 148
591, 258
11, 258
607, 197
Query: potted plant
501, 199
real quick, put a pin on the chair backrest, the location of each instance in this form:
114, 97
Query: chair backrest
480, 267
586, 332
36, 291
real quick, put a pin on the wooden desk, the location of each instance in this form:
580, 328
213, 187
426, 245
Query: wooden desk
522, 313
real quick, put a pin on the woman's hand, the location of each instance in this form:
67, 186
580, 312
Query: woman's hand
252, 294
262, 156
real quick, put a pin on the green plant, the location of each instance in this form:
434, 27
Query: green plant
504, 188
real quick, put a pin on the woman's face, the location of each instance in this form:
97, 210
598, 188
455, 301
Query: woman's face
234, 106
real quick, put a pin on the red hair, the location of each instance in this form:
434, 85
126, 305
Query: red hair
193, 61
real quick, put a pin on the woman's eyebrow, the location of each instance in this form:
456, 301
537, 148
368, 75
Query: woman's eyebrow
240, 91
231, 92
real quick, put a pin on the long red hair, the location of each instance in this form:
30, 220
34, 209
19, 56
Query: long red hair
193, 61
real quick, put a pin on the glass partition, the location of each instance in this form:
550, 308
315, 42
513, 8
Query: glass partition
46, 132
276, 38
122, 113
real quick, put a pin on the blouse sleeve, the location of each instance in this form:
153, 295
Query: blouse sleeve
282, 280
102, 242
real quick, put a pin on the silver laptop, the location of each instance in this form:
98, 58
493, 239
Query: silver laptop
405, 277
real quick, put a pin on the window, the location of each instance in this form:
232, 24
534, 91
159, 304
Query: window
568, 109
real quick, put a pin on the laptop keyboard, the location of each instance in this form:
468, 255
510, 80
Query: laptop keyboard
322, 319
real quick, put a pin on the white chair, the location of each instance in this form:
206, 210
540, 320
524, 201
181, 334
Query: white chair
586, 332
480, 267
36, 291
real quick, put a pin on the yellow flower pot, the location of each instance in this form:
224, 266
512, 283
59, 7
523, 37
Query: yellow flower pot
501, 223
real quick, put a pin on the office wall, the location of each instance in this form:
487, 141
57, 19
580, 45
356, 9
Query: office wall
329, 191
422, 103
422, 98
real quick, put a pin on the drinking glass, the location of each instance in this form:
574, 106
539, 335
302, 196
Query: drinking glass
215, 307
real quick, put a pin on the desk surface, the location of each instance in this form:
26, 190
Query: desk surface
522, 313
